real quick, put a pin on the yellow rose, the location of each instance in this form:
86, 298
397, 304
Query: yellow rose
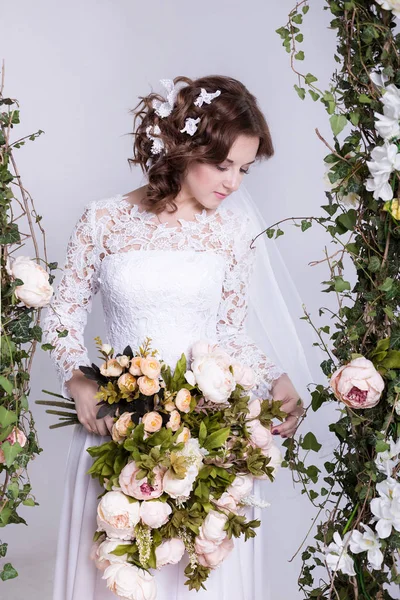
152, 421
135, 369
148, 386
182, 400
174, 421
150, 367
111, 368
127, 383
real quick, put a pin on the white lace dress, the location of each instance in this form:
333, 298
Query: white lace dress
176, 285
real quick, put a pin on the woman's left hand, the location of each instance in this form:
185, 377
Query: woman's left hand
284, 390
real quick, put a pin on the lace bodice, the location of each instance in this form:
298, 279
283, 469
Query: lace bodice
174, 284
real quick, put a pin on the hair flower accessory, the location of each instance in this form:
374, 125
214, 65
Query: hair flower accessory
190, 126
204, 96
158, 143
163, 109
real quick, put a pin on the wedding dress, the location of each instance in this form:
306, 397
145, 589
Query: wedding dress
176, 285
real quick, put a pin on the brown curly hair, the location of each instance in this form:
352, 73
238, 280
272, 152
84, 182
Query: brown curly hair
235, 111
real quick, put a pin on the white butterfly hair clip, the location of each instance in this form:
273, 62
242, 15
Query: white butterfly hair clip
204, 96
164, 109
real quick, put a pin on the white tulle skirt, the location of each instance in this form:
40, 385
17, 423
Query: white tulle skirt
242, 576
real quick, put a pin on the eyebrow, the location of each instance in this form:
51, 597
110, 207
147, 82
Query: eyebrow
248, 163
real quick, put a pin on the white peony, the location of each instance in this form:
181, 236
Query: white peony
179, 488
367, 542
129, 582
107, 546
36, 291
337, 557
378, 77
155, 513
212, 528
386, 508
213, 377
241, 487
117, 516
169, 552
275, 454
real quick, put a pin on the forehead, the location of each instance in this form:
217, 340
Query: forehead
244, 147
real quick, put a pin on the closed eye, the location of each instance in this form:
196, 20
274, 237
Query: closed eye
224, 169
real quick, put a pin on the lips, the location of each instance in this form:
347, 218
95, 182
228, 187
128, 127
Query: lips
222, 195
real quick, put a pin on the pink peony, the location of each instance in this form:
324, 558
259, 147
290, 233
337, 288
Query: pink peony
260, 436
213, 558
155, 513
358, 384
169, 552
140, 489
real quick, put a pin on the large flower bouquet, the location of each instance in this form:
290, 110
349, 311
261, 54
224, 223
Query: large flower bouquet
178, 472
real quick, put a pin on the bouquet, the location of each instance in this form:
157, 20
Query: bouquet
178, 472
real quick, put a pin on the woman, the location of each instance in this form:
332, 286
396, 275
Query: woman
173, 263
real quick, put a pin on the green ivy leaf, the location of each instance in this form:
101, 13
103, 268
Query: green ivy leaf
7, 417
8, 572
338, 123
11, 451
310, 442
6, 384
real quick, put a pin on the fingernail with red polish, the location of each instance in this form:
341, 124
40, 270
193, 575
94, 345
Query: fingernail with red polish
275, 432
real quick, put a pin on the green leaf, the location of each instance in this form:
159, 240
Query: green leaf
6, 384
10, 452
392, 360
386, 286
217, 439
338, 123
364, 99
8, 572
374, 264
29, 502
310, 78
202, 433
348, 219
299, 55
7, 417
341, 284
310, 442
305, 225
381, 446
300, 91
355, 118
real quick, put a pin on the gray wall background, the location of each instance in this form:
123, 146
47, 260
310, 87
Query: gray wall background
77, 68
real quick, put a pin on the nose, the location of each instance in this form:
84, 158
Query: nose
232, 181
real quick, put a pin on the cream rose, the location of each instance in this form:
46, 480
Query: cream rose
174, 421
244, 375
169, 406
123, 360
182, 400
169, 552
254, 407
150, 367
152, 421
36, 291
184, 436
148, 386
111, 368
140, 489
260, 436
134, 368
117, 516
155, 513
129, 582
358, 384
127, 382
106, 348
213, 377
120, 428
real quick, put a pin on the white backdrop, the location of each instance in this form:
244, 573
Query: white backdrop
77, 68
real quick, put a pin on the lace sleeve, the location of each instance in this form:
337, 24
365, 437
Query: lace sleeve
72, 302
233, 309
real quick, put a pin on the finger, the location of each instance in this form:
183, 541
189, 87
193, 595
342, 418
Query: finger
289, 424
101, 427
289, 405
109, 422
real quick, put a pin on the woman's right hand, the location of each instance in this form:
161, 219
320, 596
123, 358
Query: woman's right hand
83, 391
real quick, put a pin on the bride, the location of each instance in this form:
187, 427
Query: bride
172, 261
